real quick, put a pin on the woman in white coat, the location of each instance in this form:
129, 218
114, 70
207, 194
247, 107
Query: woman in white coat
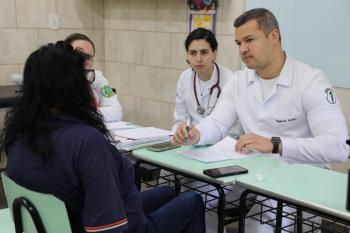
105, 99
199, 87
197, 92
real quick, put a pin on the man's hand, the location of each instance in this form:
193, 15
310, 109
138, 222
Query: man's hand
253, 142
183, 137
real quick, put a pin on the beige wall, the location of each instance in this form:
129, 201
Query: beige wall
24, 27
145, 54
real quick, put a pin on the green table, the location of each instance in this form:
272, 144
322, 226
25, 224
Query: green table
303, 186
179, 164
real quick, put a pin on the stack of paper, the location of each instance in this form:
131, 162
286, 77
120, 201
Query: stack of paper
131, 139
119, 125
223, 150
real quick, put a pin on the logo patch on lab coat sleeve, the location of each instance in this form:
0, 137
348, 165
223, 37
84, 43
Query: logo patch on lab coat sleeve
107, 91
330, 95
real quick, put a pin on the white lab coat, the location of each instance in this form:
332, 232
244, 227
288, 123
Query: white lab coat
185, 103
301, 108
108, 106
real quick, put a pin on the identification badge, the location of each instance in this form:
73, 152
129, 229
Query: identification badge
107, 91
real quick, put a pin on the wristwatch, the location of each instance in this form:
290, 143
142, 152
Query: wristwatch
276, 142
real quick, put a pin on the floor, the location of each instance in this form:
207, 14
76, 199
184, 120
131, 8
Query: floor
3, 203
232, 228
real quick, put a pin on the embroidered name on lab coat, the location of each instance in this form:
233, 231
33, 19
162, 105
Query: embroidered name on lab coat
286, 120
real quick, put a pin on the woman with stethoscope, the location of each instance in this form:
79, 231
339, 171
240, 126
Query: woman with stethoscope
199, 87
198, 90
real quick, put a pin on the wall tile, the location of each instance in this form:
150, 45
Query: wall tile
20, 68
228, 52
75, 14
172, 16
130, 105
118, 76
156, 49
99, 65
16, 45
142, 81
142, 15
139, 108
5, 74
51, 36
152, 113
178, 51
98, 13
171, 115
231, 10
165, 84
116, 14
111, 45
34, 14
219, 12
129, 48
7, 13
96, 35
146, 112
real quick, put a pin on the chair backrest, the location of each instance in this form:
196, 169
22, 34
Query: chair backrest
6, 223
37, 212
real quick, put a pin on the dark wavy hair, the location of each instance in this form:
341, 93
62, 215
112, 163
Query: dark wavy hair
54, 82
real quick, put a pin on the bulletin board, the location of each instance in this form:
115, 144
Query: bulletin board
202, 14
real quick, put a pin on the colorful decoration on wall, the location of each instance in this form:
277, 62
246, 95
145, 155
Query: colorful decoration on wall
202, 4
202, 14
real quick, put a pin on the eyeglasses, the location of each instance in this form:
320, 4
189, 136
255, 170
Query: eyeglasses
90, 75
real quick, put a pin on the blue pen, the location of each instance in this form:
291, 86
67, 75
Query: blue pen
188, 125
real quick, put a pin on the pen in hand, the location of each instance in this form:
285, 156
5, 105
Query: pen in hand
188, 125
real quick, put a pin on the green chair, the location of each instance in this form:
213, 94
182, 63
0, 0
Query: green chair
35, 212
6, 223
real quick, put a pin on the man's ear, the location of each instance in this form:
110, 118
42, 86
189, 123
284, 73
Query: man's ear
275, 35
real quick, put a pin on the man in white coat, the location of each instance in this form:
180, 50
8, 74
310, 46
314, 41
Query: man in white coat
285, 107
105, 99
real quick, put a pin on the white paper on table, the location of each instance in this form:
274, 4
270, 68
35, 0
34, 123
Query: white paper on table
118, 125
142, 133
222, 150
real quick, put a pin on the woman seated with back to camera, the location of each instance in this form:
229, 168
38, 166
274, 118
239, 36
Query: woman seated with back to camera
56, 143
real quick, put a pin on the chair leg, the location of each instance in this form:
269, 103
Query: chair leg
16, 207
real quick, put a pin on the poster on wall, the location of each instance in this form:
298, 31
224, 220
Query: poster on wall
202, 14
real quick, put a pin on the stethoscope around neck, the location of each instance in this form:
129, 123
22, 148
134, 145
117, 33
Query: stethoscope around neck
201, 110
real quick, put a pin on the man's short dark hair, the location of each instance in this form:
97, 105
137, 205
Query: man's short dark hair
264, 18
78, 36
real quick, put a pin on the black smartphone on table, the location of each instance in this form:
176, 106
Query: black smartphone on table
161, 147
225, 171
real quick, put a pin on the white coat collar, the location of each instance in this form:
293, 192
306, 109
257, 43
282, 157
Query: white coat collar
284, 78
213, 78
